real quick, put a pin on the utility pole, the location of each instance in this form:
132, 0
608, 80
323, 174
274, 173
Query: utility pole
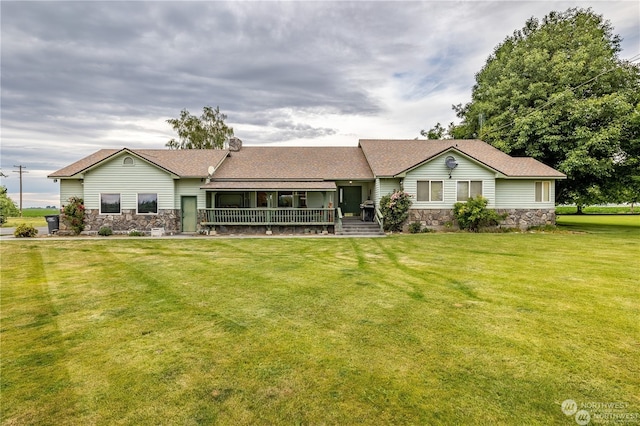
20, 171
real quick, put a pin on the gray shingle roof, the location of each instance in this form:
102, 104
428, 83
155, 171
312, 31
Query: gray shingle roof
83, 164
373, 157
183, 163
295, 163
389, 157
262, 185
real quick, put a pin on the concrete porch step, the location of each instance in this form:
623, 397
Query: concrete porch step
358, 227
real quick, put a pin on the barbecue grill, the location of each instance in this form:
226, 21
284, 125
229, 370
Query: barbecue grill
368, 211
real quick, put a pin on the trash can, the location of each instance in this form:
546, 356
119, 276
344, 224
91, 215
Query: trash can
53, 222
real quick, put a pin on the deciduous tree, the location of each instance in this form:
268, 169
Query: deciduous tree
208, 131
8, 207
556, 90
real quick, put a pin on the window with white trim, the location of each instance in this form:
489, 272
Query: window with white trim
147, 203
430, 190
543, 190
468, 189
109, 203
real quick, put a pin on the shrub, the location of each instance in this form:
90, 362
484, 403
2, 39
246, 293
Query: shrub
135, 233
395, 210
415, 227
74, 214
474, 214
25, 231
105, 231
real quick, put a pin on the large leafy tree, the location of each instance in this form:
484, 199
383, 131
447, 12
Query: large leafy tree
8, 207
556, 90
208, 131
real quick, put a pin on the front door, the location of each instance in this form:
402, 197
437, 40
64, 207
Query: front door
350, 199
189, 214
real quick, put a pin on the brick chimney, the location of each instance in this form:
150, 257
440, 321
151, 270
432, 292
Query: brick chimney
235, 144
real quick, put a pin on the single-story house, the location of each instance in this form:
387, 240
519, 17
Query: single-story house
302, 189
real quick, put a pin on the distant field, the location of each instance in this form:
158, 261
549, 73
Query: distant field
442, 328
33, 217
599, 210
39, 212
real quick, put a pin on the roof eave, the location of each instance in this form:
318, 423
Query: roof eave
546, 177
450, 148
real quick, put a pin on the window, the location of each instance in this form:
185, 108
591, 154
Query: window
300, 199
232, 199
109, 203
542, 191
285, 199
128, 161
262, 199
147, 203
430, 190
475, 188
468, 189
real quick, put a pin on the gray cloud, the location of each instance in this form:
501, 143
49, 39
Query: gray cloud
80, 76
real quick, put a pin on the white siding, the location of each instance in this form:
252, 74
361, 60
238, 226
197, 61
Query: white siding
385, 187
190, 187
70, 188
128, 181
520, 194
437, 170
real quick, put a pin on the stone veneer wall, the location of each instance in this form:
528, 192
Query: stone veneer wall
525, 219
127, 221
521, 218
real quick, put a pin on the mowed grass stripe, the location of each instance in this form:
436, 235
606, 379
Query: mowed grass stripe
32, 345
419, 329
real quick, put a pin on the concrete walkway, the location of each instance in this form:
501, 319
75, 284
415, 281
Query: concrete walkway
8, 232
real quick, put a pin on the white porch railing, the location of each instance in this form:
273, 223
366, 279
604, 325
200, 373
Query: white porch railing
379, 219
267, 216
339, 220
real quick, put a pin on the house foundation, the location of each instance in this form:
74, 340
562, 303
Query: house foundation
273, 230
443, 219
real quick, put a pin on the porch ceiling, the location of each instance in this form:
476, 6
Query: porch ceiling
270, 186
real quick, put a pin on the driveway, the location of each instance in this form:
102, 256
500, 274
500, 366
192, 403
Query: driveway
8, 232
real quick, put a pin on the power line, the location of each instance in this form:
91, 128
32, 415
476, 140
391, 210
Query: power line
20, 171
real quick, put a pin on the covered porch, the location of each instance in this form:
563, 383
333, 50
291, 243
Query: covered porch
267, 204
268, 216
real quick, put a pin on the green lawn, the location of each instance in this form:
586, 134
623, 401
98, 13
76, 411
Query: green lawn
599, 210
612, 224
444, 328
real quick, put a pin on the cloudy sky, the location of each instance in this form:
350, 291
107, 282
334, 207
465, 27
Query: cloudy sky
79, 76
